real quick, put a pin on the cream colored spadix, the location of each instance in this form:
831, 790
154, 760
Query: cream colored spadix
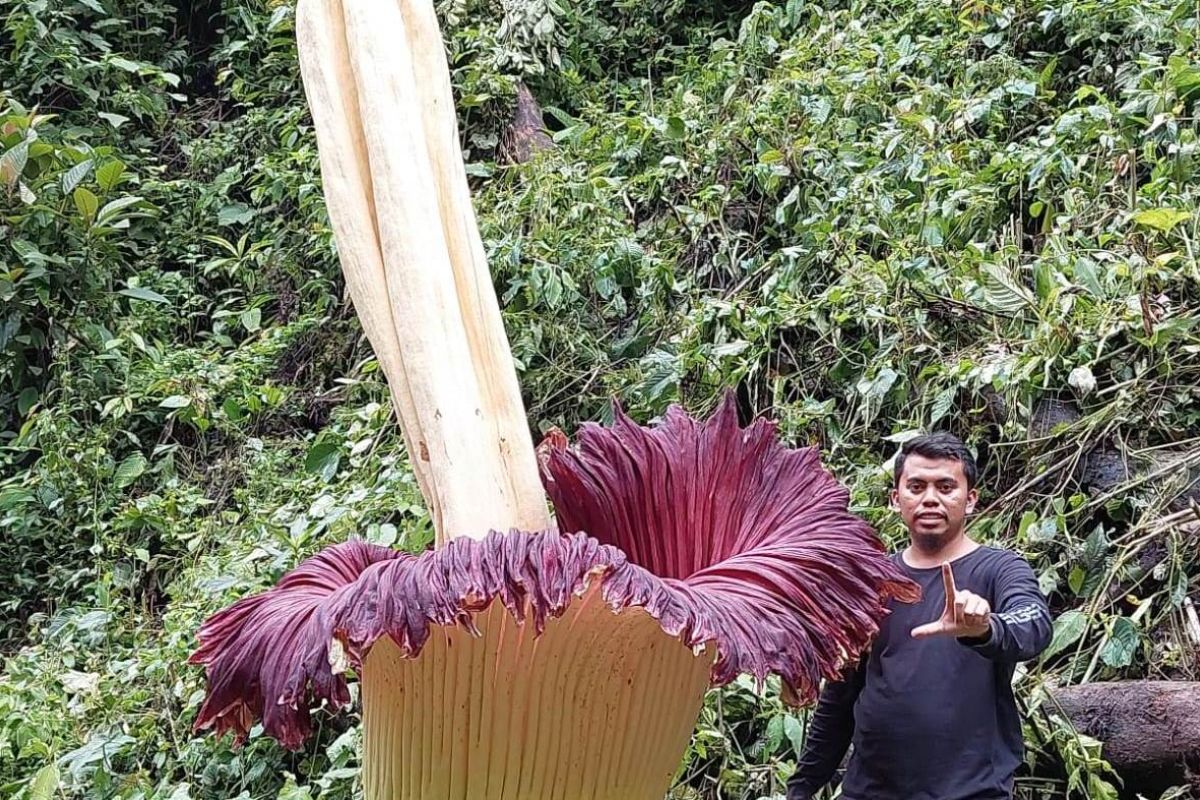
410, 249
601, 706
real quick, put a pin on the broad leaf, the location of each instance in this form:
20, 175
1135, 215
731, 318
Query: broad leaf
87, 204
72, 177
323, 459
45, 783
1161, 219
26, 400
142, 293
130, 470
121, 203
1122, 644
1002, 293
1067, 630
12, 163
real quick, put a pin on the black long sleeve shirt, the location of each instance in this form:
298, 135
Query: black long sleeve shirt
932, 719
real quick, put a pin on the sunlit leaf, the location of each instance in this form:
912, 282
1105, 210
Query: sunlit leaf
1161, 219
45, 784
72, 177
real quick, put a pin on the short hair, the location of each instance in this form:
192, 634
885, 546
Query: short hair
940, 445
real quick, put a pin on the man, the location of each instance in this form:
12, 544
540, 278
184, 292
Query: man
929, 709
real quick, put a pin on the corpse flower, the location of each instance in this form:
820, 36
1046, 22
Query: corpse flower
689, 553
523, 657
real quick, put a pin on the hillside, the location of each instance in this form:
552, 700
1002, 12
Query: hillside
868, 219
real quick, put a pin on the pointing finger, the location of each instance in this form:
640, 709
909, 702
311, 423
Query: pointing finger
930, 629
948, 581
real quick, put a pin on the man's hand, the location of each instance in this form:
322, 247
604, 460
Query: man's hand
967, 614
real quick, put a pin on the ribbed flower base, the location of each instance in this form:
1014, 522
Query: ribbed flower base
600, 707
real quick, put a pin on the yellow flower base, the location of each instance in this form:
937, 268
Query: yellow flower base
600, 707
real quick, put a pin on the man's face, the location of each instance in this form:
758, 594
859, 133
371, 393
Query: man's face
932, 497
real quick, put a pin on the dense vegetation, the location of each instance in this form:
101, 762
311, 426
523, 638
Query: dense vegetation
869, 218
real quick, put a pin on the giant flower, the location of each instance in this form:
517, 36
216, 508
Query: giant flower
523, 657
688, 553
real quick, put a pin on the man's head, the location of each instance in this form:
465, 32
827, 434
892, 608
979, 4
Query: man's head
935, 487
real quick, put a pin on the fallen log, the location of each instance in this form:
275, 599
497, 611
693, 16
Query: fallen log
1150, 729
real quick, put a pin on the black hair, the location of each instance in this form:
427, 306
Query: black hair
941, 445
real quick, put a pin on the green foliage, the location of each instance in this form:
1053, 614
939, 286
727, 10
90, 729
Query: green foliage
871, 220
67, 220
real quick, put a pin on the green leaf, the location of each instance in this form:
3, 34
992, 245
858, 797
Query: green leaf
1069, 626
142, 293
1021, 88
290, 791
27, 400
15, 496
176, 401
775, 733
1122, 644
130, 470
72, 177
45, 783
116, 120
794, 732
1043, 280
29, 254
942, 404
110, 210
125, 64
385, 534
1043, 531
94, 5
932, 233
109, 174
87, 203
323, 459
1161, 219
675, 128
1002, 293
236, 214
233, 409
1186, 80
1076, 579
1085, 274
252, 319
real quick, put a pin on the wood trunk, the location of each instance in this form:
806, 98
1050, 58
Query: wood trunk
1150, 729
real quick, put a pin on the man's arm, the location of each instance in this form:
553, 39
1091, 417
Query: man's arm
829, 734
1019, 625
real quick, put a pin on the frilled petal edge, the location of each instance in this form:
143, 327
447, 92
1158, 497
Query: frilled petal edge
274, 656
